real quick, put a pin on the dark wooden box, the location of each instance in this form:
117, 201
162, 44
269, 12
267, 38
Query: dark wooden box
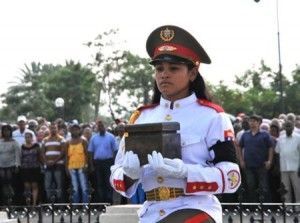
142, 139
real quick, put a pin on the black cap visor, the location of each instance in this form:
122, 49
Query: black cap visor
170, 59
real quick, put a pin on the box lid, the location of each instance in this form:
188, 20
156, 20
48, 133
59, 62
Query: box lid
153, 127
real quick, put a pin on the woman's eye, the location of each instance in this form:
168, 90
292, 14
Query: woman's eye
159, 69
174, 68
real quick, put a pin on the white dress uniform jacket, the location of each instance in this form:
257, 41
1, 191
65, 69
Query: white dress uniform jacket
202, 125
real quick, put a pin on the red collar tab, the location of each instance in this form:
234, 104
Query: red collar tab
211, 105
143, 107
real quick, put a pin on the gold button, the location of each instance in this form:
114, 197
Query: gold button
168, 117
209, 188
162, 212
201, 187
194, 187
160, 179
177, 105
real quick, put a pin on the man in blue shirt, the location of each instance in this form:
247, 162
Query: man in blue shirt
257, 149
102, 149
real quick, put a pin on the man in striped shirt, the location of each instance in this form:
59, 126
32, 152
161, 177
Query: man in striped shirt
52, 154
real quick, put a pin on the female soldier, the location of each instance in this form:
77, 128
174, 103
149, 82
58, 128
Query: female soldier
181, 190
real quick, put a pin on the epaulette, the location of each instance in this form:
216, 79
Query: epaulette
216, 107
137, 112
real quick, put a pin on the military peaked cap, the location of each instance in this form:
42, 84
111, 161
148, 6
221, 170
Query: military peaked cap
168, 43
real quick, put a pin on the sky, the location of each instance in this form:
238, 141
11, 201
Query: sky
237, 34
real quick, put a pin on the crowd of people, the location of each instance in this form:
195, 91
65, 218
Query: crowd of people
35, 154
269, 154
43, 159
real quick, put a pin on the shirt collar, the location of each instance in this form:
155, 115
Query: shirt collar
178, 103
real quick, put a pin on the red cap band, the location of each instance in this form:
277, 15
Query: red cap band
177, 50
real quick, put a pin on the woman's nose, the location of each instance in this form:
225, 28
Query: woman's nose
165, 74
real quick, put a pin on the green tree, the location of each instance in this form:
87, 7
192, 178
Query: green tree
231, 100
260, 91
72, 83
136, 83
106, 63
292, 93
26, 96
40, 85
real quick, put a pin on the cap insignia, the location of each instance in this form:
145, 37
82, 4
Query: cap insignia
167, 48
167, 35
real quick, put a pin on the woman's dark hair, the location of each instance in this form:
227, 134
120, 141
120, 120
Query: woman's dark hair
197, 86
273, 126
7, 127
29, 133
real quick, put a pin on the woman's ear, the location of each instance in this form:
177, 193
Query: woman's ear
193, 73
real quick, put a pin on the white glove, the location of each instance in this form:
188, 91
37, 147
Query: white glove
167, 167
131, 165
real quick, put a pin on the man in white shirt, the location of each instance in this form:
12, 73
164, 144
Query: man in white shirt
19, 134
288, 148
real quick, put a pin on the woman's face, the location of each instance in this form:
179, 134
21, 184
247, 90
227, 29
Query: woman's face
6, 133
173, 80
28, 138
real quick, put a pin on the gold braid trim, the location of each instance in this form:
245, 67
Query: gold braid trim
134, 117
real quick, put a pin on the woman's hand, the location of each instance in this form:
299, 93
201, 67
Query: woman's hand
167, 167
131, 165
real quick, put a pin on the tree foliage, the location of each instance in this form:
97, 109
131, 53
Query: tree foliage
73, 83
258, 91
40, 85
137, 80
124, 80
106, 64
292, 93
